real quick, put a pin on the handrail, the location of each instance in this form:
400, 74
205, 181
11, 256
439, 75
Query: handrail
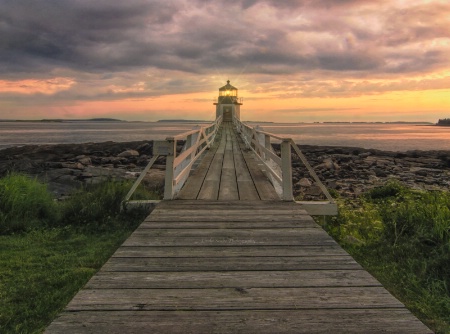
279, 168
178, 165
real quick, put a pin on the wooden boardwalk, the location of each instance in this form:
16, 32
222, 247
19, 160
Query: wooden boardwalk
228, 172
232, 264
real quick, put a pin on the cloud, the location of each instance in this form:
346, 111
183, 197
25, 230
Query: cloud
312, 110
114, 49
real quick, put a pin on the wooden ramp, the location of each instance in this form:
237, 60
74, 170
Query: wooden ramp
233, 267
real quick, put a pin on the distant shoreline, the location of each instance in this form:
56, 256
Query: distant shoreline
57, 120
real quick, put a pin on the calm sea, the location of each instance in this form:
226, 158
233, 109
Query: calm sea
390, 137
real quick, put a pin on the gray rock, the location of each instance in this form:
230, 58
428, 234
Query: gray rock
314, 191
128, 153
305, 183
85, 161
72, 165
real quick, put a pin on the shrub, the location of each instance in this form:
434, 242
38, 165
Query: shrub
26, 204
403, 237
94, 205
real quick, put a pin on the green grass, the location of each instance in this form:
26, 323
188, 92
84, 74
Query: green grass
24, 204
402, 237
42, 270
50, 249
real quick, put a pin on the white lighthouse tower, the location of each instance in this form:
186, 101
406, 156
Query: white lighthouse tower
228, 104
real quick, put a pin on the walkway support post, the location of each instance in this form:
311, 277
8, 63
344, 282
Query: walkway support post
286, 170
170, 158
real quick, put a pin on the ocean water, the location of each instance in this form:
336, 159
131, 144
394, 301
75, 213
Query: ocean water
390, 137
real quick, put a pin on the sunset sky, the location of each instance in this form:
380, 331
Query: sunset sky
292, 60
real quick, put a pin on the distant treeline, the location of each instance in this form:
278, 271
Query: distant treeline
444, 122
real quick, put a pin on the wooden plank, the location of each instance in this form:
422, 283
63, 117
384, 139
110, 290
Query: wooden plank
262, 234
209, 190
203, 218
262, 183
280, 224
266, 263
153, 240
228, 160
215, 169
224, 218
228, 186
226, 205
304, 321
230, 237
211, 185
231, 251
231, 279
246, 187
242, 172
233, 299
231, 213
247, 191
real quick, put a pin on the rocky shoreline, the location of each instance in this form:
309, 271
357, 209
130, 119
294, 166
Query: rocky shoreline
352, 171
349, 171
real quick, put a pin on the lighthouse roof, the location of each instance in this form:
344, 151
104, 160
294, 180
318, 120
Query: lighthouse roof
227, 87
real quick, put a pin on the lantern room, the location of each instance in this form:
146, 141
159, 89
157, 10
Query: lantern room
228, 104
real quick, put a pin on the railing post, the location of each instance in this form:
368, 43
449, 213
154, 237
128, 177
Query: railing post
286, 170
267, 145
168, 187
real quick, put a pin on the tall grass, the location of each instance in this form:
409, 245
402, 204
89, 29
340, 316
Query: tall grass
24, 203
403, 237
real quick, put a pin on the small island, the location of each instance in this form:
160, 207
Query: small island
443, 122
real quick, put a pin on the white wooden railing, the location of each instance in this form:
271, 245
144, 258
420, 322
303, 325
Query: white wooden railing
279, 168
179, 165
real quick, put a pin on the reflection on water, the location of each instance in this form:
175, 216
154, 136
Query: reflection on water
392, 137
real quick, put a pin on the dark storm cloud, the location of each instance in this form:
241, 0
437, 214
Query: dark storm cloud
149, 40
81, 34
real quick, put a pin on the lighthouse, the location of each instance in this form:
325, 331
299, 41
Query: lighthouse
227, 104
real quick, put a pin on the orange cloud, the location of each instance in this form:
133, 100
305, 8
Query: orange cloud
34, 86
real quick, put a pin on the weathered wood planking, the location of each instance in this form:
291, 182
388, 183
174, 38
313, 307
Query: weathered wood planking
231, 279
331, 250
237, 298
228, 172
356, 321
197, 279
180, 223
220, 263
